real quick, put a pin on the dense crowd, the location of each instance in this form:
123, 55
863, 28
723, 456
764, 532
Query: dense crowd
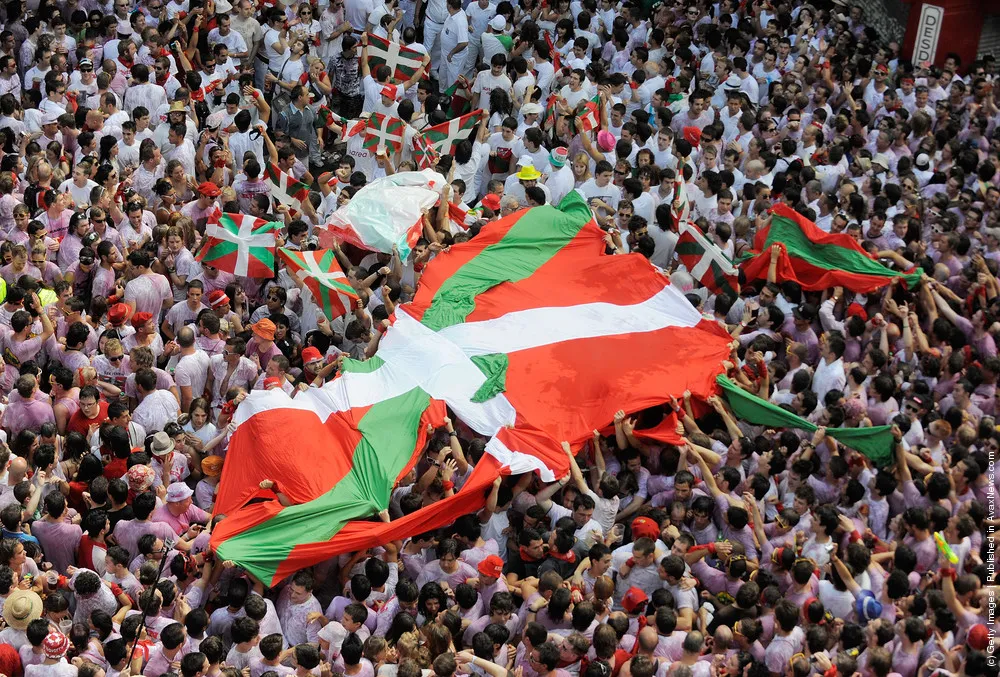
743, 552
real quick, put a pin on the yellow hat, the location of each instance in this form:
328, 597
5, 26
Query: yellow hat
529, 173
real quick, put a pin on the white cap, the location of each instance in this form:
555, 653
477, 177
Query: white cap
223, 7
922, 161
881, 159
531, 108
732, 82
524, 161
498, 23
125, 28
50, 117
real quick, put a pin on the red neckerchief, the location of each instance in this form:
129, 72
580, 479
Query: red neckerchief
127, 64
525, 557
567, 557
162, 80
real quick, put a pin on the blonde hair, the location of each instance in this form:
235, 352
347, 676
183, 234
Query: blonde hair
85, 376
113, 344
584, 159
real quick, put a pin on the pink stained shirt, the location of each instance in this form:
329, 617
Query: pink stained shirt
180, 523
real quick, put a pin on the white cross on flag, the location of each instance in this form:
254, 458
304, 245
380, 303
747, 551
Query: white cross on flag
384, 131
404, 61
446, 135
239, 244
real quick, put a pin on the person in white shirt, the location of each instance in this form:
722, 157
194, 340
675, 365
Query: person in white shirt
830, 370
454, 44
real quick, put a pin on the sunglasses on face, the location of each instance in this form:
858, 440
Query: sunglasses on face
117, 358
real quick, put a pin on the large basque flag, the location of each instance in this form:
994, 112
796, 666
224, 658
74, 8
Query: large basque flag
528, 332
817, 260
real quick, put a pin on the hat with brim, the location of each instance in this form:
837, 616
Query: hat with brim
558, 157
732, 82
881, 160
223, 7
531, 108
178, 491
55, 645
498, 23
117, 314
867, 607
161, 445
140, 477
528, 173
177, 107
21, 607
264, 328
50, 118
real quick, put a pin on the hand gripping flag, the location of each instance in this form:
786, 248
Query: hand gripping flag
285, 189
817, 260
520, 331
459, 98
590, 117
383, 132
322, 276
446, 135
424, 152
706, 262
239, 244
680, 208
404, 61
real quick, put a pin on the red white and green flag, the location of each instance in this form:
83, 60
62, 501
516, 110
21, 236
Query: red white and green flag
285, 189
551, 111
383, 132
424, 153
706, 262
520, 332
404, 61
818, 260
460, 98
680, 208
458, 217
590, 116
321, 274
445, 136
239, 244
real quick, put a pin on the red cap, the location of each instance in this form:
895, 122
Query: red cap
272, 382
210, 189
140, 319
857, 310
390, 91
645, 527
492, 566
692, 135
633, 598
311, 354
979, 637
117, 314
491, 201
217, 298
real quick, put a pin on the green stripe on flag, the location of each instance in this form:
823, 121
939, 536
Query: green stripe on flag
389, 434
876, 443
825, 256
530, 243
357, 367
220, 249
494, 368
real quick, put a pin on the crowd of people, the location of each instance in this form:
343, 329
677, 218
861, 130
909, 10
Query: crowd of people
743, 552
